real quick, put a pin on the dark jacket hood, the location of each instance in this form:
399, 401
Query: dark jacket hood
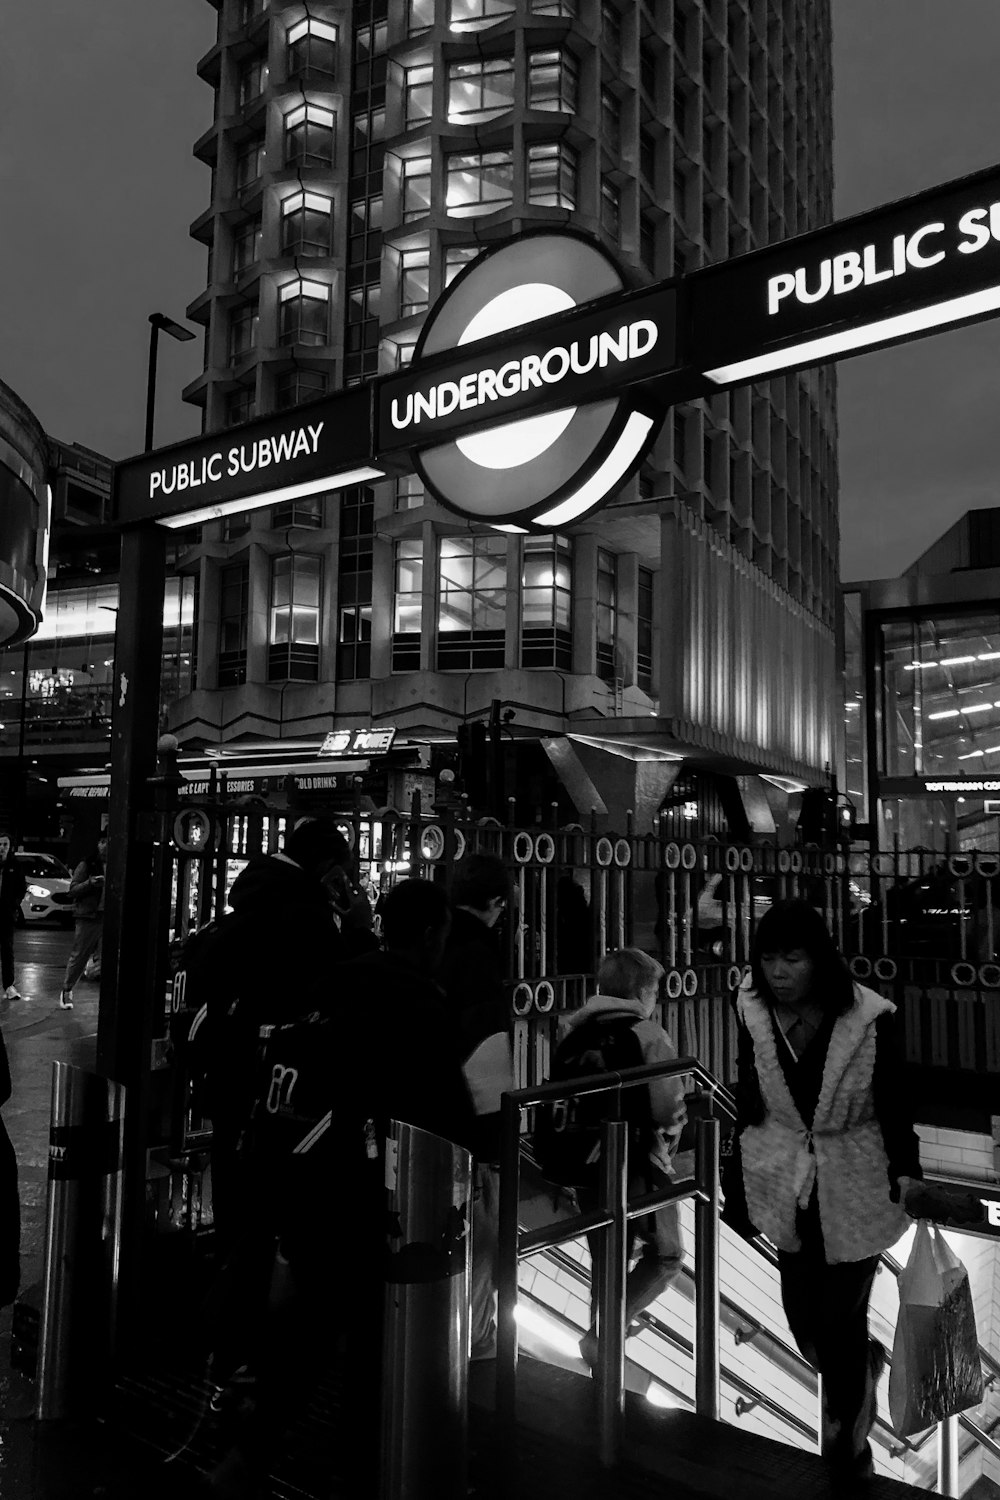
268, 877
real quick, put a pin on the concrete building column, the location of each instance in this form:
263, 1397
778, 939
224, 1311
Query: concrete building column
585, 604
429, 598
383, 561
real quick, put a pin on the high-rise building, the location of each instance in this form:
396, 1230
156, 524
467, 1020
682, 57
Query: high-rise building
361, 155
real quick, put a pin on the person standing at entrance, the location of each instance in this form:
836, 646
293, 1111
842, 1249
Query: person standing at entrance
87, 890
827, 1161
12, 888
471, 974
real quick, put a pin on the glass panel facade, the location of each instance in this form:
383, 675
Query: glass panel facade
552, 81
294, 631
546, 602
940, 695
552, 175
479, 90
472, 603
306, 224
234, 603
470, 15
607, 614
407, 605
354, 583
479, 183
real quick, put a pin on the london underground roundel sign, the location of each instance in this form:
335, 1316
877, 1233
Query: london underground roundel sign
568, 421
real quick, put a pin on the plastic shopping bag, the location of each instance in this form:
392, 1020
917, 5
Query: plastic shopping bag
936, 1370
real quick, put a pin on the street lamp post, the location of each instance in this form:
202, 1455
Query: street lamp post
176, 331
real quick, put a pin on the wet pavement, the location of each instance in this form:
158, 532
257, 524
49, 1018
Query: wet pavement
52, 1460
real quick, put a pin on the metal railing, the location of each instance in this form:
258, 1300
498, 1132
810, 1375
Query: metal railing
612, 1218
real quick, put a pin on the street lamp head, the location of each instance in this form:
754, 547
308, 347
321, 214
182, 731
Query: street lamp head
175, 330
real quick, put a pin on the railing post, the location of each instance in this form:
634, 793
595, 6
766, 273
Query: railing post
948, 1457
611, 1291
507, 1236
706, 1270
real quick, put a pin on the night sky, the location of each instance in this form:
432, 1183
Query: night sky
100, 105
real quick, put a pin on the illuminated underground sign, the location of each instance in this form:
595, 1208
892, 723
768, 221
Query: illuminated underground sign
925, 262
538, 338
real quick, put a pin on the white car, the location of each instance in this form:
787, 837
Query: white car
48, 888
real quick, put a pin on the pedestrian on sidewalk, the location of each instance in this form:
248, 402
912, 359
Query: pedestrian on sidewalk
87, 890
12, 889
826, 1163
472, 975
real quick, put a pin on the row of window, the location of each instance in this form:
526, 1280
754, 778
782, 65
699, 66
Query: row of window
471, 609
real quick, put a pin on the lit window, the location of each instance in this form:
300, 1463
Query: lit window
470, 15
472, 603
456, 258
479, 183
607, 614
644, 631
354, 583
365, 239
414, 282
416, 187
241, 405
292, 387
564, 8
611, 208
611, 123
252, 80
312, 47
479, 90
552, 175
250, 9
367, 126
418, 89
242, 329
246, 244
363, 302
409, 492
407, 606
249, 161
546, 603
369, 41
306, 511
552, 81
234, 603
419, 16
306, 224
309, 136
294, 625
304, 313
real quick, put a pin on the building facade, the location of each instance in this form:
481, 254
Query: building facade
922, 694
361, 155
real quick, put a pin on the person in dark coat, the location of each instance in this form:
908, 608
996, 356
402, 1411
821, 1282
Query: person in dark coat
472, 975
397, 1058
87, 890
10, 1206
12, 890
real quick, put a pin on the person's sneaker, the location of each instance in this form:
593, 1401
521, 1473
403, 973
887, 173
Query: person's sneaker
12, 992
65, 999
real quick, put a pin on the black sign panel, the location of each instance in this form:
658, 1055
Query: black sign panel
588, 354
989, 1197
933, 248
291, 448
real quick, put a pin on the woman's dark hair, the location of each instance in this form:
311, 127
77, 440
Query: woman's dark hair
412, 909
479, 878
795, 924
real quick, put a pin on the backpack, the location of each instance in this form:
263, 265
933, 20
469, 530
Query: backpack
567, 1133
202, 1006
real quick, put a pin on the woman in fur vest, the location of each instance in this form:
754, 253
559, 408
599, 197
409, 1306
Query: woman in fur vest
829, 1157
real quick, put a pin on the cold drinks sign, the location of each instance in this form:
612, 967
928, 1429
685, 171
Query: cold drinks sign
539, 381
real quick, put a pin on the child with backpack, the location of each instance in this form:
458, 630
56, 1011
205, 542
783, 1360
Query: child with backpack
612, 1031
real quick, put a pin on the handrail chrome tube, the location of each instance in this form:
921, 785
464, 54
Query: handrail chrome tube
706, 1270
596, 1083
611, 1291
947, 1465
507, 1257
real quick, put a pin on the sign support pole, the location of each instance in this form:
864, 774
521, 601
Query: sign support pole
127, 1008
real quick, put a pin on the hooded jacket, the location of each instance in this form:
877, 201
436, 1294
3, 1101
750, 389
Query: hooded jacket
840, 1156
666, 1095
471, 976
87, 888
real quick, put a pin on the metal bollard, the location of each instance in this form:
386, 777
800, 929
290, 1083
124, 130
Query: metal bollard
706, 1269
611, 1292
426, 1346
81, 1240
948, 1456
